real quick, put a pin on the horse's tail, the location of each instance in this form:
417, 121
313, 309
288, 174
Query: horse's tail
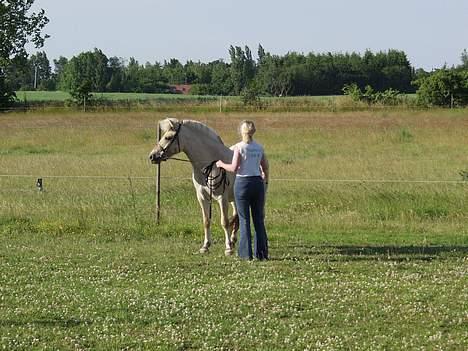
234, 223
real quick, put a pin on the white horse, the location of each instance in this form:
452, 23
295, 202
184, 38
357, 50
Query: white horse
203, 147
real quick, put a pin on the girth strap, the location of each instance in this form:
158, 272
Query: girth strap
214, 182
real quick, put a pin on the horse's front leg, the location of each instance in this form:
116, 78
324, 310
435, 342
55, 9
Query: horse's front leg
205, 206
224, 206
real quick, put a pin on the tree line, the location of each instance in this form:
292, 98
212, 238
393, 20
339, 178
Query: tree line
275, 75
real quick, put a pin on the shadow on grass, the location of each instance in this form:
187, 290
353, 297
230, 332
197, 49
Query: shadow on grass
356, 253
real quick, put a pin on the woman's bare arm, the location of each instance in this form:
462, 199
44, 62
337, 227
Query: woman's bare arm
234, 165
265, 168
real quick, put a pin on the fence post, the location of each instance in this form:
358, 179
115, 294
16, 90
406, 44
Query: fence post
158, 181
40, 184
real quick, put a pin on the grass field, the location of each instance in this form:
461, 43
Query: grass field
380, 264
58, 101
38, 95
44, 96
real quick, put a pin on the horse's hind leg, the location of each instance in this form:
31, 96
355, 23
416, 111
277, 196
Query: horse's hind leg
224, 206
205, 206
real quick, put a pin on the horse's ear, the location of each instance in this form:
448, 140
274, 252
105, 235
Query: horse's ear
173, 123
166, 124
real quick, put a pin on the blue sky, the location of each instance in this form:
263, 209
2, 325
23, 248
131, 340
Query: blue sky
431, 32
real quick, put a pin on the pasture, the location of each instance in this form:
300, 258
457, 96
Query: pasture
55, 96
58, 101
367, 217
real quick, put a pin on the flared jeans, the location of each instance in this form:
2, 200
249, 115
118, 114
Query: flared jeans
249, 194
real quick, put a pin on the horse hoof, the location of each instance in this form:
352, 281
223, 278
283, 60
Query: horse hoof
228, 252
204, 250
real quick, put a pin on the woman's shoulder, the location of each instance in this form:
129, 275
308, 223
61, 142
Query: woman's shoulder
244, 145
237, 146
258, 145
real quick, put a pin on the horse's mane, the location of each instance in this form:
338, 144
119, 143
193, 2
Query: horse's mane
207, 131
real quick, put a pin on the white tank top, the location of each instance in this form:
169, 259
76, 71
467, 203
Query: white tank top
250, 154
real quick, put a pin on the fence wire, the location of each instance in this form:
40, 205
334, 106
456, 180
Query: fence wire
304, 180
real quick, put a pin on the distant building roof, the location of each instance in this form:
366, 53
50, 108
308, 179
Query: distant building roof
181, 88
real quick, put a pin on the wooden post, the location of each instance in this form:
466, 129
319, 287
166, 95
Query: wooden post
158, 181
35, 77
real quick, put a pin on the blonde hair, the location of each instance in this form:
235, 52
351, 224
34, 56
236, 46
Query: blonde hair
247, 130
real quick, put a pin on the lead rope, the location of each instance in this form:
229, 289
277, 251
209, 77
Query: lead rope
211, 184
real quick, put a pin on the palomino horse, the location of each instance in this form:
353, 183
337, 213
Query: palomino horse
203, 147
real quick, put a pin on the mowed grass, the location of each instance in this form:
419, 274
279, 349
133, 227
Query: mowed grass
354, 265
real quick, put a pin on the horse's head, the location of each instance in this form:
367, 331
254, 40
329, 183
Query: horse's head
169, 144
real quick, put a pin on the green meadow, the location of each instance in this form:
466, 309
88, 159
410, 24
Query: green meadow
367, 217
54, 96
61, 102
50, 96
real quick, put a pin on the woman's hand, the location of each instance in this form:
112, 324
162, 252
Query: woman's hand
230, 167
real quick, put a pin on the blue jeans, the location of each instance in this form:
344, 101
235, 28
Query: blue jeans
249, 193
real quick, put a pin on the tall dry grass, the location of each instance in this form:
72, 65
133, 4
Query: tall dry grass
313, 157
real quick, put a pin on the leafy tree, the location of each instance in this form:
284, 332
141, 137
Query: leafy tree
251, 95
17, 28
195, 72
131, 74
445, 87
60, 65
464, 59
353, 91
151, 79
274, 76
261, 54
116, 73
370, 96
81, 93
200, 89
242, 68
18, 75
221, 83
174, 72
59, 72
90, 66
41, 72
34, 72
101, 73
199, 73
7, 94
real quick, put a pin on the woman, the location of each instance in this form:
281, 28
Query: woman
250, 164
